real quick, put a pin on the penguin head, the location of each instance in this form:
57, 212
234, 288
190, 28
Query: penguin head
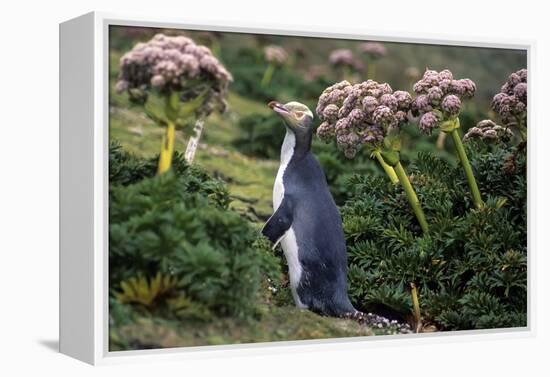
297, 117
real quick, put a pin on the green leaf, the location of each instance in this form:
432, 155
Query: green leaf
154, 113
172, 106
391, 157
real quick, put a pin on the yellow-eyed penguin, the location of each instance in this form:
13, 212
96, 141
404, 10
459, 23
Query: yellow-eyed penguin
307, 222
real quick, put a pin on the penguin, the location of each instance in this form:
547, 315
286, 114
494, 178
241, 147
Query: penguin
306, 221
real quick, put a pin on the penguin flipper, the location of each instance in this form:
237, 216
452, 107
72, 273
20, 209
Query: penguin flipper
277, 225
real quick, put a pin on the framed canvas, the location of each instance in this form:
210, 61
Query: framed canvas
240, 189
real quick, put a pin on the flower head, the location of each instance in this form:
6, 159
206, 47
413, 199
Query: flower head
490, 131
373, 134
383, 115
344, 57
330, 113
275, 54
511, 102
170, 63
464, 88
445, 75
451, 105
404, 99
428, 122
373, 49
439, 97
325, 131
389, 101
360, 113
369, 103
434, 95
421, 104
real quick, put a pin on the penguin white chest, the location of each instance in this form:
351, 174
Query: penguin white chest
287, 150
288, 241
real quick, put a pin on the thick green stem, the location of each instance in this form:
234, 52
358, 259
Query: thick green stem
440, 144
387, 168
411, 197
476, 196
268, 74
167, 148
416, 307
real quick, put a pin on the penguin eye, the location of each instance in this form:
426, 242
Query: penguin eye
299, 114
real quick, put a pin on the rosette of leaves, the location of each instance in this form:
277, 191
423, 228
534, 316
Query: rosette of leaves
439, 102
511, 102
191, 82
275, 56
374, 52
369, 114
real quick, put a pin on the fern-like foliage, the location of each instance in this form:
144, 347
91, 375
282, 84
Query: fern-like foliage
176, 247
471, 269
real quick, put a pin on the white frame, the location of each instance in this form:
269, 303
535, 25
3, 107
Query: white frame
84, 120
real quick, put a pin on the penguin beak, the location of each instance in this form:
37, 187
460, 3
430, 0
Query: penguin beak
279, 108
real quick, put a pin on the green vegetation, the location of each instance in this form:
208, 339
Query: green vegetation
187, 264
185, 269
470, 269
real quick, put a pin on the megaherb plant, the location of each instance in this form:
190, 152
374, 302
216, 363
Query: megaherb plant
374, 51
345, 62
439, 104
511, 103
190, 81
369, 114
275, 56
511, 106
470, 270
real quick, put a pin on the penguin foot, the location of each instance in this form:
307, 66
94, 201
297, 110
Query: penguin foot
388, 327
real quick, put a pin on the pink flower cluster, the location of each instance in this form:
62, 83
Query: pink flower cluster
360, 114
373, 49
172, 64
275, 55
439, 97
344, 57
511, 102
489, 130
